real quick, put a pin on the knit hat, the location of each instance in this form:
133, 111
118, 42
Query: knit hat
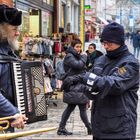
10, 15
114, 33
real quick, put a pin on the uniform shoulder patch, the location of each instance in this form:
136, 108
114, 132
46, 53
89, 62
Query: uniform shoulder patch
122, 70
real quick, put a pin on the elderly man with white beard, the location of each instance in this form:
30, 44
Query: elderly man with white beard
10, 19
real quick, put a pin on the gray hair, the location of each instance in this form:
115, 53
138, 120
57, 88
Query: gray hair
3, 32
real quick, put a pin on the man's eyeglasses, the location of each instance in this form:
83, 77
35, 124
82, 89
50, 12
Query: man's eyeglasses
104, 43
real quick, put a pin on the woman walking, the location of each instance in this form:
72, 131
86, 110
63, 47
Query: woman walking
74, 63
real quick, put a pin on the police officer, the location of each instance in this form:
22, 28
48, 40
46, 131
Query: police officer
113, 86
10, 19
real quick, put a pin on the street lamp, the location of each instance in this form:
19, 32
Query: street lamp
82, 23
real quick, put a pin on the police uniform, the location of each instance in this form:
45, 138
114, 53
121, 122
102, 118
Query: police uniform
113, 86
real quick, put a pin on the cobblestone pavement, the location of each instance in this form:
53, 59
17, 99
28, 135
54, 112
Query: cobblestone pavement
74, 124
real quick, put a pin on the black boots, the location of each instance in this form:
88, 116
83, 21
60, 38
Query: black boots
63, 131
89, 129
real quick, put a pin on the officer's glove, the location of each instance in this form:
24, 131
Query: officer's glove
89, 78
88, 91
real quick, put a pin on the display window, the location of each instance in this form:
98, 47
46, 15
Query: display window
46, 23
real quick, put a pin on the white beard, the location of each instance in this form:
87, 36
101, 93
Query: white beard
14, 44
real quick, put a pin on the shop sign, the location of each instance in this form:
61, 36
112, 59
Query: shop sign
87, 2
89, 11
87, 7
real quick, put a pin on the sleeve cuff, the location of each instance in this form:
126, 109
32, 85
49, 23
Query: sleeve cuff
89, 79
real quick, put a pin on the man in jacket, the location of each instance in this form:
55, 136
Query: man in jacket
10, 19
92, 55
113, 86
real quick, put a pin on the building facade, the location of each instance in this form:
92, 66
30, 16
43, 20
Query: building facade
69, 16
37, 16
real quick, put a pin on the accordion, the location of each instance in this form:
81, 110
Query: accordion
28, 88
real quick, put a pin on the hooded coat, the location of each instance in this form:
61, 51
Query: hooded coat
74, 64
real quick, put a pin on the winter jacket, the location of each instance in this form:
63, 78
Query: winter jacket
7, 107
114, 114
136, 41
74, 64
91, 58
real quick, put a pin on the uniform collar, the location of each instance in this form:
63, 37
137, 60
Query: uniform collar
117, 53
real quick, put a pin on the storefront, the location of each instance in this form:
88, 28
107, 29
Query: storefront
37, 17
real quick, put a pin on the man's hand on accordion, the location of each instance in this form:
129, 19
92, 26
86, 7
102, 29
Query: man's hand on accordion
19, 121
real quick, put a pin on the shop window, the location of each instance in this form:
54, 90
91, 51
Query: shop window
34, 21
34, 12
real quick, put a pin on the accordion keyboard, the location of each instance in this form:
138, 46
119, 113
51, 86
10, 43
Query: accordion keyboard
19, 87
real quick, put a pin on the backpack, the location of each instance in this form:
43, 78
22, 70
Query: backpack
60, 72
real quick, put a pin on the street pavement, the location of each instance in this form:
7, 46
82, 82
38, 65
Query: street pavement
74, 124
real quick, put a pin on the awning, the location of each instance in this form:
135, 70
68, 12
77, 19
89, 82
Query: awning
103, 20
88, 18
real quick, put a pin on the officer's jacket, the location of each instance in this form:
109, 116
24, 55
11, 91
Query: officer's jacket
114, 107
7, 107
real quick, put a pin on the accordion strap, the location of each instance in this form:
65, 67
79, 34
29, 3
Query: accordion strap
6, 58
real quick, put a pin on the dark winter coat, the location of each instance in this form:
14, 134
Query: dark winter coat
91, 58
6, 95
114, 114
74, 64
136, 41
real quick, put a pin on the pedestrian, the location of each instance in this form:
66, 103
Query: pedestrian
10, 19
113, 85
74, 63
136, 44
92, 55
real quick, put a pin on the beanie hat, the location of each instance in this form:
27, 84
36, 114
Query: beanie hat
114, 33
10, 15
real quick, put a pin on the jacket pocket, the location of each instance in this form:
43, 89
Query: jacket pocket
112, 121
